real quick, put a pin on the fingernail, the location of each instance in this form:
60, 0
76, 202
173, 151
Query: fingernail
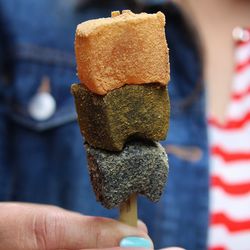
172, 248
133, 241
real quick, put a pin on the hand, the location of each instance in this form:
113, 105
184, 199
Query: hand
39, 227
172, 248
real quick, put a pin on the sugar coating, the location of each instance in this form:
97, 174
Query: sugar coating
142, 168
138, 111
123, 49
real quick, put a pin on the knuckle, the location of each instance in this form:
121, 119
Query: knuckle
107, 232
96, 232
99, 235
39, 232
48, 230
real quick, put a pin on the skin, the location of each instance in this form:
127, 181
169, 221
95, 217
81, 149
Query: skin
215, 21
40, 227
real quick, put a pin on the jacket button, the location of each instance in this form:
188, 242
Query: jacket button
42, 106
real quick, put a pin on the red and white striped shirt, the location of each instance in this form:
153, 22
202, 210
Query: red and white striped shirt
230, 162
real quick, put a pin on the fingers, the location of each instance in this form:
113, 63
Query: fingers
26, 226
119, 248
172, 248
103, 232
142, 226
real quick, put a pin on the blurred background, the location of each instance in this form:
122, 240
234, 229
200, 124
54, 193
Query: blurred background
206, 202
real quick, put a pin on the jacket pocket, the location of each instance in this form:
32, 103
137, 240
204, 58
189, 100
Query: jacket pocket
33, 64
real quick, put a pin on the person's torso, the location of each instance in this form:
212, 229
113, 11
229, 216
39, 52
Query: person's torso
230, 158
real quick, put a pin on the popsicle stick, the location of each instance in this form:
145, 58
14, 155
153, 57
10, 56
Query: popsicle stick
128, 211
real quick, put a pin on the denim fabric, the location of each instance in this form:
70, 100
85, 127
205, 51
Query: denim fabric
44, 161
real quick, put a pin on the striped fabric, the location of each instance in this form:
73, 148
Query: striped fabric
230, 163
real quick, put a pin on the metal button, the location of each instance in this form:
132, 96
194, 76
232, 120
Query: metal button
240, 34
42, 106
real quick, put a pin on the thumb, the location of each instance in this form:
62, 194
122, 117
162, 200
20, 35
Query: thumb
172, 248
36, 227
121, 248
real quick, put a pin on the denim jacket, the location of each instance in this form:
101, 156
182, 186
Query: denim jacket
45, 162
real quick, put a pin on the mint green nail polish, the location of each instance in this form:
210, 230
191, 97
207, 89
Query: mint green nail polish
133, 241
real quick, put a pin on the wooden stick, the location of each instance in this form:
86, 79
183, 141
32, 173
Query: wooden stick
128, 211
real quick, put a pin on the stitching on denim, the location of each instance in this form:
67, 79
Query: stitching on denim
44, 55
42, 126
